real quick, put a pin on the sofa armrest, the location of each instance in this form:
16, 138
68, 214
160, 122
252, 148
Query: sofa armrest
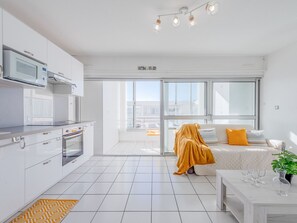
277, 144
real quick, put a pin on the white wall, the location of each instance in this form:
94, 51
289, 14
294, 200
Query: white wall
279, 88
111, 109
173, 67
101, 104
91, 109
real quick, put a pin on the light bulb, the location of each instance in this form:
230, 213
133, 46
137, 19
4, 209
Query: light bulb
191, 20
212, 8
175, 21
158, 25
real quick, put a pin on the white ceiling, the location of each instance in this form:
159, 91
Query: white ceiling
125, 27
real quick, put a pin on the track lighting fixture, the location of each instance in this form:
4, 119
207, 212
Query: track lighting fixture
211, 8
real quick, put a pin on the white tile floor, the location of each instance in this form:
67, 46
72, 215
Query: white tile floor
121, 189
135, 148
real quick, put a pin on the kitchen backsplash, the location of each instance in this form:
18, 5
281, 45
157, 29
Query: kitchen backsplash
38, 105
20, 106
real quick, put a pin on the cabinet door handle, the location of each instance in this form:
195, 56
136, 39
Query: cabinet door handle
28, 52
45, 133
47, 162
22, 143
45, 143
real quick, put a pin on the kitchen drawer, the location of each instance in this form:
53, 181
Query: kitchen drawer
39, 152
42, 136
42, 176
69, 167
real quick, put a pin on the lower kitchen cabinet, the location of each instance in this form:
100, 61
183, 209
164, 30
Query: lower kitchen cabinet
89, 140
39, 152
42, 176
11, 177
69, 167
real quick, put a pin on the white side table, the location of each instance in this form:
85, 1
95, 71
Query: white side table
251, 204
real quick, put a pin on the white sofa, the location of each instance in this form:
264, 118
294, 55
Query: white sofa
236, 157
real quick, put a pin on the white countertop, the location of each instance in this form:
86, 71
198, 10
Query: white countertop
16, 131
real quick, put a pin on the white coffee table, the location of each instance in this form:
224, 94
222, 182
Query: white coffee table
251, 204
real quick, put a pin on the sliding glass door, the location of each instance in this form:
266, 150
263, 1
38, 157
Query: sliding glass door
209, 101
184, 102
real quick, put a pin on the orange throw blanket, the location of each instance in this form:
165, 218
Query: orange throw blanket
191, 149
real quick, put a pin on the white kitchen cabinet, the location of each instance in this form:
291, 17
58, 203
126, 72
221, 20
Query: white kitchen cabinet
42, 176
77, 78
11, 178
88, 140
77, 71
20, 37
39, 152
69, 167
42, 136
59, 62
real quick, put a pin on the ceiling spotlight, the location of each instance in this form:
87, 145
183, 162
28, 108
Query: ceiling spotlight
191, 20
175, 21
158, 24
212, 8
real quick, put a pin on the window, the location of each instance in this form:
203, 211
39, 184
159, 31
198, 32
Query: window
227, 102
143, 104
234, 98
234, 103
184, 98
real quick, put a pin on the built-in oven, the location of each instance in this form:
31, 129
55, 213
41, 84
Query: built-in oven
72, 143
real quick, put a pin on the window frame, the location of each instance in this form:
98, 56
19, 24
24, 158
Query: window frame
208, 100
134, 105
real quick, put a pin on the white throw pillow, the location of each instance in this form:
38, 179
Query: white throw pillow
256, 137
209, 135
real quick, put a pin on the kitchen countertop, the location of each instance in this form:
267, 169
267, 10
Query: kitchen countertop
29, 130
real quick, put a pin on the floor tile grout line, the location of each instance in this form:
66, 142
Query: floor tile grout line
201, 200
106, 192
128, 196
152, 178
174, 196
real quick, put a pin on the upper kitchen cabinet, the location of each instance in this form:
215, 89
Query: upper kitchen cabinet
20, 37
77, 71
59, 62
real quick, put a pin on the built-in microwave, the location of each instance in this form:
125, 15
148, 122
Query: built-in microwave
23, 69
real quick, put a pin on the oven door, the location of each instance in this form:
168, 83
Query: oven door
72, 146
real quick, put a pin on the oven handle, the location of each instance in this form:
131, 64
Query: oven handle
73, 136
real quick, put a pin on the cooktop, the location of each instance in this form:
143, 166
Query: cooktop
60, 123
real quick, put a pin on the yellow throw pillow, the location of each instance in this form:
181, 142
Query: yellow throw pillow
237, 137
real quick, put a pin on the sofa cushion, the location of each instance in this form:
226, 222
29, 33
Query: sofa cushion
221, 129
237, 137
209, 135
256, 136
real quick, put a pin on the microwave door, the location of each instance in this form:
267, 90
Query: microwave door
26, 71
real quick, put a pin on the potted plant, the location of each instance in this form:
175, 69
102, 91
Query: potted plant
287, 161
